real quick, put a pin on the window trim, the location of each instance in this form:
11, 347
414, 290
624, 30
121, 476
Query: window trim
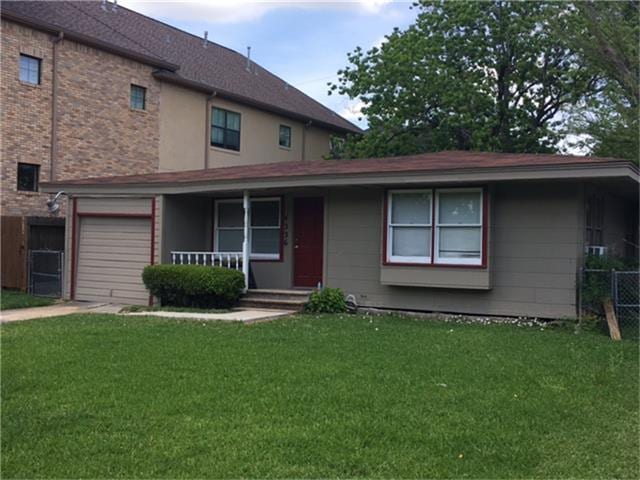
389, 227
36, 178
287, 147
39, 60
443, 263
144, 97
436, 247
257, 257
224, 146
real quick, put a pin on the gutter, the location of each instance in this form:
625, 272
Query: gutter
92, 42
174, 78
333, 179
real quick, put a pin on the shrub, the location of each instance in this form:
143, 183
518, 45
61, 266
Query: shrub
327, 300
196, 286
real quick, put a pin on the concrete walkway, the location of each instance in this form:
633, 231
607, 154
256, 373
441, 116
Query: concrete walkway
38, 312
241, 315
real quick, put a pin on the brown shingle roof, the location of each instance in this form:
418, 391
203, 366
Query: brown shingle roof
413, 164
221, 69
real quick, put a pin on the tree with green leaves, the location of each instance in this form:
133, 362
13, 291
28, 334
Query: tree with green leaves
606, 35
468, 75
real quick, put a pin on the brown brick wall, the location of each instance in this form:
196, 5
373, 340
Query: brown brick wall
97, 133
26, 117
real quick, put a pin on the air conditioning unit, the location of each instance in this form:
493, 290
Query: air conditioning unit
596, 250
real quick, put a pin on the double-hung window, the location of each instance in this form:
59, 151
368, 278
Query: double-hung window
409, 233
138, 97
284, 136
264, 227
459, 226
435, 226
30, 69
225, 129
594, 220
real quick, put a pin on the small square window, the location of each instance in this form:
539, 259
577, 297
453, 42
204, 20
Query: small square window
30, 69
285, 136
28, 177
138, 97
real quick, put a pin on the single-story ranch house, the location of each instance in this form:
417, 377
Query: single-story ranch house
464, 232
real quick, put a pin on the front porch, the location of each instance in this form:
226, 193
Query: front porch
276, 238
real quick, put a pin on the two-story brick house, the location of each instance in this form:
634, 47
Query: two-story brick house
92, 89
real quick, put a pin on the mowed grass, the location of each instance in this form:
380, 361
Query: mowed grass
328, 396
10, 299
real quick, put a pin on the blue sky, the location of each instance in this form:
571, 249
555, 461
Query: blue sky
304, 42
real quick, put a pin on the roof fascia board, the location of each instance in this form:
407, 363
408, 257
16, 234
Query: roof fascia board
346, 180
92, 42
173, 78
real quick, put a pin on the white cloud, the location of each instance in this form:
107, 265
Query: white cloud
353, 111
235, 11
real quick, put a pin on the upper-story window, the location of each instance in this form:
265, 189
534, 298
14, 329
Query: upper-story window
30, 69
284, 139
138, 99
225, 129
435, 226
28, 177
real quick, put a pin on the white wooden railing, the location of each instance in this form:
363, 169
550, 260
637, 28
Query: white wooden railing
215, 259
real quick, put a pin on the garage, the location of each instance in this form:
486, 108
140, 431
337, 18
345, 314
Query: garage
111, 253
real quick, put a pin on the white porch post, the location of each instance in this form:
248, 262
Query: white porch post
245, 241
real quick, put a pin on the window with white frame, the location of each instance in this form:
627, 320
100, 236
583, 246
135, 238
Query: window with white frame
453, 218
264, 227
409, 232
458, 226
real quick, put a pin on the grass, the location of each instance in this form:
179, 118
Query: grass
314, 396
10, 299
157, 308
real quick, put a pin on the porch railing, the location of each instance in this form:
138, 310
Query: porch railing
214, 259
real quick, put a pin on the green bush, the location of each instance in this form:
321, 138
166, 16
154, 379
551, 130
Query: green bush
197, 286
327, 300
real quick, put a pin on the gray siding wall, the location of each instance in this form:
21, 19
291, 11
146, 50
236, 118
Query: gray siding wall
535, 240
184, 225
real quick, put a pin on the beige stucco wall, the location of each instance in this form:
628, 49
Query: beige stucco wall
182, 128
184, 134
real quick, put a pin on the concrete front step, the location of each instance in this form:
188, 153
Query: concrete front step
293, 300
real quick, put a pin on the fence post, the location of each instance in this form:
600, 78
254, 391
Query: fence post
614, 280
579, 274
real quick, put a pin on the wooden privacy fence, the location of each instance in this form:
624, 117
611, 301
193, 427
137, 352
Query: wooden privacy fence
13, 245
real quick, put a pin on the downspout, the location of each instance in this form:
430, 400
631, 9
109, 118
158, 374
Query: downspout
54, 107
207, 129
304, 139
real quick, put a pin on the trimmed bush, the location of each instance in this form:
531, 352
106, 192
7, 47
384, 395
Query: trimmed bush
197, 286
327, 300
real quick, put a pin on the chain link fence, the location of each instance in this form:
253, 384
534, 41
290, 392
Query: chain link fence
45, 272
622, 287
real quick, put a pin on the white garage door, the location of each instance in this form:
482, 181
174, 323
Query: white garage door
111, 255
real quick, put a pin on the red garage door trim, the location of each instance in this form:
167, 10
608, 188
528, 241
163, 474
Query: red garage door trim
74, 236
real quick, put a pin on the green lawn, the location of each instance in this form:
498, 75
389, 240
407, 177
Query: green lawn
15, 299
329, 396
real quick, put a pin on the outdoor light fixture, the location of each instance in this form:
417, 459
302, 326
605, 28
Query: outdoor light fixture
53, 205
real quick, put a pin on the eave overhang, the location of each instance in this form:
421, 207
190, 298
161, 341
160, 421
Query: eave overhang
607, 170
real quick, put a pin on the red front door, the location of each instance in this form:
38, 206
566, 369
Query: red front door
308, 228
